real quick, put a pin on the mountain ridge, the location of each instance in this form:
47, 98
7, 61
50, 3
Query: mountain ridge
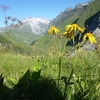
37, 25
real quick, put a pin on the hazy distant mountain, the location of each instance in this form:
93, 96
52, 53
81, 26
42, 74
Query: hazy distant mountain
36, 25
31, 29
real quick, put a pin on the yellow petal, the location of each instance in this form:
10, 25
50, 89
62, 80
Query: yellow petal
56, 30
52, 30
92, 39
74, 28
80, 30
84, 38
75, 25
49, 32
68, 27
99, 44
71, 29
65, 32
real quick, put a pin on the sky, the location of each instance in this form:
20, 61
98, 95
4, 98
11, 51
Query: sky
48, 9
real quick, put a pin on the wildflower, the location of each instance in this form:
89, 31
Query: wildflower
4, 8
71, 29
99, 44
78, 50
60, 36
81, 30
52, 30
74, 27
49, 53
59, 54
98, 47
68, 27
69, 35
90, 37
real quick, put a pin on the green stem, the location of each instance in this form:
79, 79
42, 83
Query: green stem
79, 40
60, 45
79, 37
55, 42
73, 41
59, 69
64, 46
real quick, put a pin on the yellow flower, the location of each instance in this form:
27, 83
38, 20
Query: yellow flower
70, 30
81, 30
78, 50
99, 44
75, 26
68, 27
69, 35
59, 54
52, 30
90, 37
49, 53
60, 36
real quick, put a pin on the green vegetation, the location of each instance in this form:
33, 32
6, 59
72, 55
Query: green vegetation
18, 72
48, 69
90, 10
56, 75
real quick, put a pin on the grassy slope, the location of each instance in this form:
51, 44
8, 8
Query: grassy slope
20, 39
15, 47
91, 9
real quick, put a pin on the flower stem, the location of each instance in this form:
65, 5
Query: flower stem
59, 69
60, 45
79, 37
64, 46
55, 42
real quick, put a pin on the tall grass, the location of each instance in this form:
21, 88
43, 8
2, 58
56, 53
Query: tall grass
86, 68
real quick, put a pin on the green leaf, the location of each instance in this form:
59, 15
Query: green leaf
12, 81
35, 76
1, 79
36, 67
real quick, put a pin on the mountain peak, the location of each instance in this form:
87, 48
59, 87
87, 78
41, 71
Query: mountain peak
37, 25
36, 19
68, 9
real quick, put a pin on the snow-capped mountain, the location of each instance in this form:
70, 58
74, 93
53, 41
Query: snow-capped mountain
37, 25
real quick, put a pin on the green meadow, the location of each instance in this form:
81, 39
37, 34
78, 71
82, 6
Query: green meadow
36, 78
45, 68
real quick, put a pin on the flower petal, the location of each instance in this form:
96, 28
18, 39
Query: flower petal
68, 27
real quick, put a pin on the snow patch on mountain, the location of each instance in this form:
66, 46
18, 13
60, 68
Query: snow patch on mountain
37, 25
